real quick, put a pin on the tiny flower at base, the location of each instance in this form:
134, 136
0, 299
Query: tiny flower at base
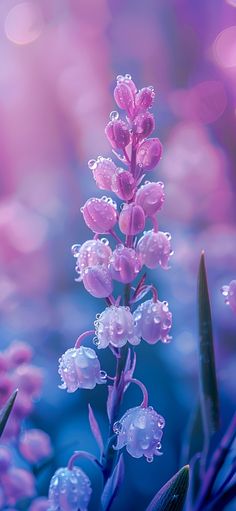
229, 292
153, 321
69, 490
140, 430
115, 326
80, 368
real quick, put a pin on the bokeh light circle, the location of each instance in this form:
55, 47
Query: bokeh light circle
224, 47
24, 23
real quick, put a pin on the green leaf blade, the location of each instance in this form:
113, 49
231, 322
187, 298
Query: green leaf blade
6, 410
171, 497
208, 380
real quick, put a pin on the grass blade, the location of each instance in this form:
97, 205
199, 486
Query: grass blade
171, 497
6, 410
208, 381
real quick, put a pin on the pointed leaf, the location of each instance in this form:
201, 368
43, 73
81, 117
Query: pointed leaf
109, 402
171, 497
140, 284
208, 381
113, 484
6, 410
95, 429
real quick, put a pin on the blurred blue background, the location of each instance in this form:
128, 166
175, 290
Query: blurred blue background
58, 63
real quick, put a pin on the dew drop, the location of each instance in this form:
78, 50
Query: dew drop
114, 115
75, 250
117, 427
128, 77
158, 446
149, 459
96, 341
92, 164
103, 375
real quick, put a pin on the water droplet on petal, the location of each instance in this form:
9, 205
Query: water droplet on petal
103, 375
92, 164
117, 427
114, 115
149, 459
75, 250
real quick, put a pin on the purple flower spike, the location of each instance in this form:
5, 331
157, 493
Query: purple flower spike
151, 197
115, 326
124, 264
80, 368
140, 430
229, 292
40, 504
35, 445
144, 125
154, 248
91, 253
118, 134
149, 153
69, 490
100, 215
144, 99
131, 219
98, 282
153, 321
123, 184
104, 170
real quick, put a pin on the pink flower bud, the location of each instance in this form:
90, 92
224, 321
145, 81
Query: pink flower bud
18, 484
131, 219
144, 125
91, 253
39, 504
35, 445
118, 134
69, 490
123, 184
100, 215
154, 248
115, 326
127, 79
29, 379
79, 368
229, 292
151, 197
149, 153
18, 353
124, 97
104, 170
144, 99
98, 282
124, 264
153, 321
140, 430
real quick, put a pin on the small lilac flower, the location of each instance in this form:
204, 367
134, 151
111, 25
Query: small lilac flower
131, 219
115, 326
69, 490
124, 96
151, 197
144, 99
5, 458
153, 321
118, 134
39, 504
91, 253
100, 215
97, 280
35, 445
18, 353
80, 368
154, 248
123, 184
144, 125
140, 430
103, 170
125, 264
17, 484
149, 153
229, 292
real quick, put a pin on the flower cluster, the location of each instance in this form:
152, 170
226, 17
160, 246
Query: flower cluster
34, 446
100, 263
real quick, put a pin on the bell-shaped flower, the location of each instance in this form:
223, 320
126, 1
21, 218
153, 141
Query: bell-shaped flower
115, 326
131, 219
153, 321
154, 248
91, 253
118, 134
123, 184
103, 170
149, 153
140, 431
79, 368
151, 197
97, 281
100, 215
144, 125
125, 264
144, 99
69, 490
